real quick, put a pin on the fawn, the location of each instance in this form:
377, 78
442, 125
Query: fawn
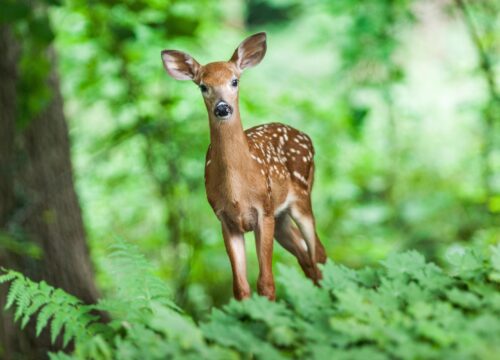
256, 180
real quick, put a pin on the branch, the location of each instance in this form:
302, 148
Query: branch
484, 60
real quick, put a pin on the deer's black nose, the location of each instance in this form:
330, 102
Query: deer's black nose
223, 110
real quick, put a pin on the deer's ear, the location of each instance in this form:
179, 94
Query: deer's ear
250, 52
179, 65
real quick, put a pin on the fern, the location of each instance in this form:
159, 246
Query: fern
44, 302
139, 305
136, 287
405, 309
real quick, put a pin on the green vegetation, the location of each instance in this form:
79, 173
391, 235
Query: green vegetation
402, 102
405, 309
399, 148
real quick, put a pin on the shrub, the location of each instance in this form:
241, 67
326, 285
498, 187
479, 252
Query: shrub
405, 309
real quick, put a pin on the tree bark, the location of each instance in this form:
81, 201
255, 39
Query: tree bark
38, 203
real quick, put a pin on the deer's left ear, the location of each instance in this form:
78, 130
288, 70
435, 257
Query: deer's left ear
250, 52
179, 65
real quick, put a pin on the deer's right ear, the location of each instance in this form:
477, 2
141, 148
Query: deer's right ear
180, 65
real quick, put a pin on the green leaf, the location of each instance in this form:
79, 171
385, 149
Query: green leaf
227, 331
409, 263
282, 336
338, 277
43, 318
465, 299
466, 264
37, 301
8, 276
495, 257
15, 291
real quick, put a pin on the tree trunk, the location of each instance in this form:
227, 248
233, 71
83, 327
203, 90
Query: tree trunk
38, 203
486, 67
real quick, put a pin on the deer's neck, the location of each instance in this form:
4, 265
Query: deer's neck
229, 144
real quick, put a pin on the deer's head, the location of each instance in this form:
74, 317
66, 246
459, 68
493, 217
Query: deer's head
218, 81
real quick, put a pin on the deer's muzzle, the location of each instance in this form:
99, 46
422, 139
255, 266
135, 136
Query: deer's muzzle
223, 110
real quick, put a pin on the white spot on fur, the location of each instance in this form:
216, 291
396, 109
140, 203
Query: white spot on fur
300, 177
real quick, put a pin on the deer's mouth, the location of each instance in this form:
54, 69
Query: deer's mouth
223, 110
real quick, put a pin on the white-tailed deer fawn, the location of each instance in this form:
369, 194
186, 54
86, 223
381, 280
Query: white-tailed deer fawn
256, 180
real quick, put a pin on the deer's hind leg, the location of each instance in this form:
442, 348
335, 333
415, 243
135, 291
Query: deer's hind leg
289, 236
301, 212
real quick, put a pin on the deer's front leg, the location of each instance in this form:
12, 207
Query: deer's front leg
264, 235
235, 247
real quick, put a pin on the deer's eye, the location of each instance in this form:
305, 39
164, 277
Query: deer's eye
203, 88
234, 83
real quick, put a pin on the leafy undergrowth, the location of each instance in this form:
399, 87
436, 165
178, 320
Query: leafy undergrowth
405, 309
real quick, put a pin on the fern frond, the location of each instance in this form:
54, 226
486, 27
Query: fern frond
51, 307
8, 276
24, 298
15, 291
57, 323
37, 301
135, 283
43, 318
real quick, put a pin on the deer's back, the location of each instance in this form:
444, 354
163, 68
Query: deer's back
282, 153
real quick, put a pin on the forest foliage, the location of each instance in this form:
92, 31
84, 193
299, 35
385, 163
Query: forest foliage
407, 308
405, 137
401, 100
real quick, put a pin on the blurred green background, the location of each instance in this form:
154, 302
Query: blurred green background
400, 98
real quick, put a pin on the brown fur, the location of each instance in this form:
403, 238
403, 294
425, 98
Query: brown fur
217, 73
